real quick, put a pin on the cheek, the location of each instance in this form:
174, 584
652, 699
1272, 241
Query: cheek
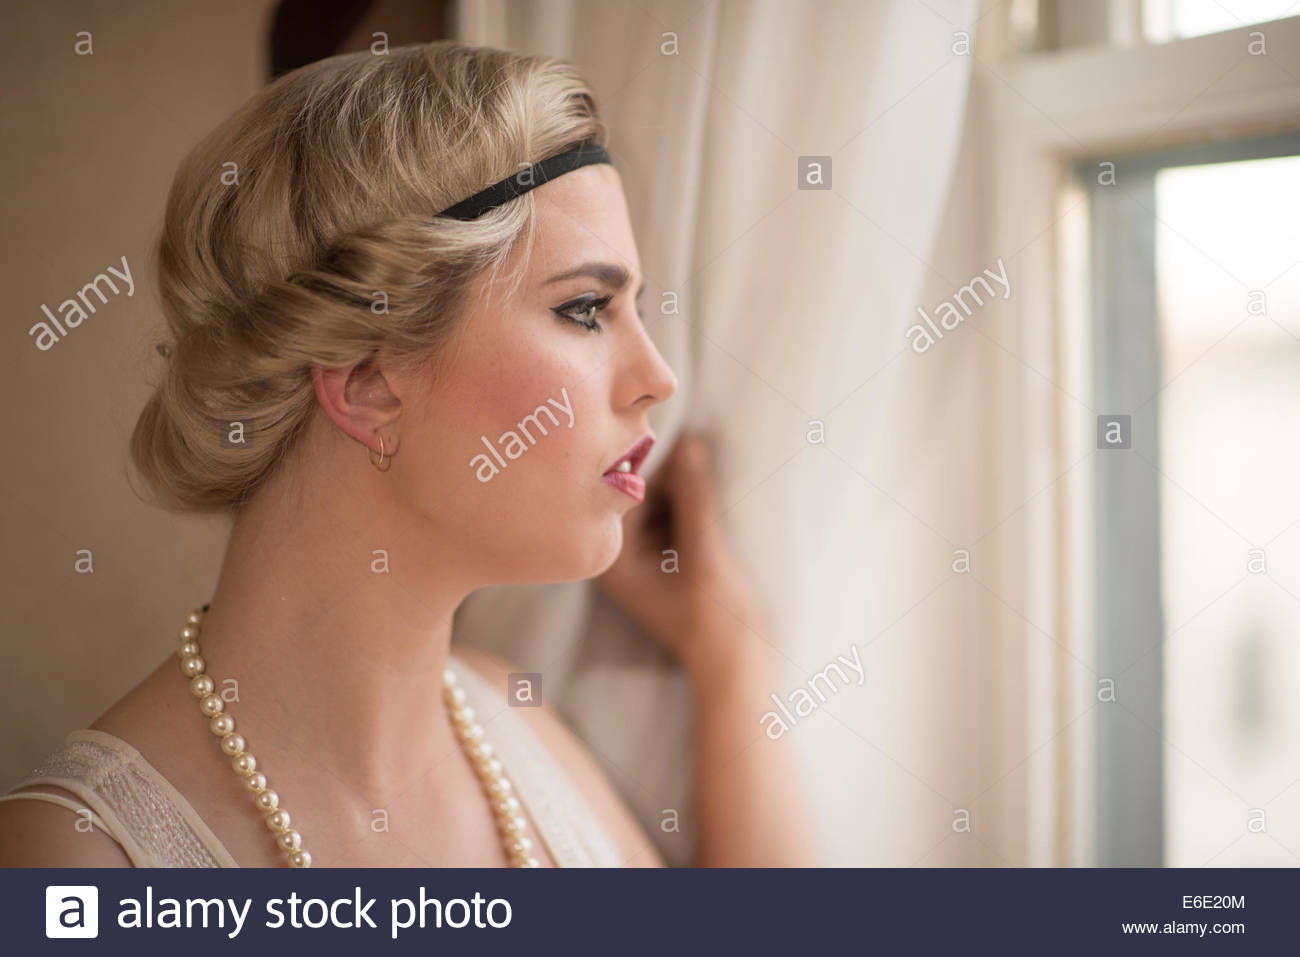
523, 432
531, 412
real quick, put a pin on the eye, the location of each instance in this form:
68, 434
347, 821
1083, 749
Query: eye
588, 306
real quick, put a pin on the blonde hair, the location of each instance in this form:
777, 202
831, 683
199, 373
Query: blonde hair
303, 231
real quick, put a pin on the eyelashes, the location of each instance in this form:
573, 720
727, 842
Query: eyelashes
588, 306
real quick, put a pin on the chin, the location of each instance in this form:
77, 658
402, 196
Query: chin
598, 550
567, 551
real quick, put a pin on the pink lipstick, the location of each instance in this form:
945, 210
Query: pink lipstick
623, 476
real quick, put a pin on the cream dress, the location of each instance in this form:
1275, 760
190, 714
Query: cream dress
130, 801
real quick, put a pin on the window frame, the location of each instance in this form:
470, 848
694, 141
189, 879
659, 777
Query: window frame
1035, 116
1128, 379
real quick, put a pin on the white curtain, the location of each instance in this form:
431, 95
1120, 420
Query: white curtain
832, 436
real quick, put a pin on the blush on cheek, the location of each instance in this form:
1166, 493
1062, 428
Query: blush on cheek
521, 412
519, 434
533, 508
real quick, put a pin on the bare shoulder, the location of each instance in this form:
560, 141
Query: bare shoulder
576, 759
38, 833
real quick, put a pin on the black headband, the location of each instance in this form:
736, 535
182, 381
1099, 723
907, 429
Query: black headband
521, 182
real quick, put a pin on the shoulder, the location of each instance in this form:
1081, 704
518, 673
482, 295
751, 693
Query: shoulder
574, 757
39, 833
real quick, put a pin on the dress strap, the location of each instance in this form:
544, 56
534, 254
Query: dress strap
565, 822
62, 800
136, 806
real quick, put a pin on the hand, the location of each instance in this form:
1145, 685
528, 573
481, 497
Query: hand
677, 576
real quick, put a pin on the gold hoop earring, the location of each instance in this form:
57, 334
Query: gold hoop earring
380, 464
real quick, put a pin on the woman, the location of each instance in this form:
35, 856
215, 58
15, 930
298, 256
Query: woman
407, 362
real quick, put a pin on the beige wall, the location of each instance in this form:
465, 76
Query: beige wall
93, 142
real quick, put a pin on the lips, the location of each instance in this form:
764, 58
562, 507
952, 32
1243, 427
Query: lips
623, 476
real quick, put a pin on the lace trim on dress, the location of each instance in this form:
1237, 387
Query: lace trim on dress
157, 827
140, 809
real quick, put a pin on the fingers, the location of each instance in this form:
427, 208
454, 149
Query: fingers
690, 485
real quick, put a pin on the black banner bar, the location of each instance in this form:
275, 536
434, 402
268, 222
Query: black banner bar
1140, 911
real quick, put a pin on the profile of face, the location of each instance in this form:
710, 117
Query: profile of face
503, 453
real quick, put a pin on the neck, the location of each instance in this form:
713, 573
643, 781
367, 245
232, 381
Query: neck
337, 632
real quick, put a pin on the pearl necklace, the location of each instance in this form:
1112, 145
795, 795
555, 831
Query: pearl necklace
511, 824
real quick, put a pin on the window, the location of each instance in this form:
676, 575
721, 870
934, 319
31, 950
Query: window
1196, 318
1164, 20
1036, 25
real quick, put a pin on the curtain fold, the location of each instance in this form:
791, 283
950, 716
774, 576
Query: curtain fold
792, 352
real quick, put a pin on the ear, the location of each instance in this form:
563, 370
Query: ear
358, 400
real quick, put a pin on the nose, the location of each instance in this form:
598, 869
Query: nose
644, 378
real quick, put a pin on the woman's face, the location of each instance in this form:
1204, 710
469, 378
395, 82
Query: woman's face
505, 450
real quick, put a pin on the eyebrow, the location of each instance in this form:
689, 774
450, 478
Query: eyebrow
611, 274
